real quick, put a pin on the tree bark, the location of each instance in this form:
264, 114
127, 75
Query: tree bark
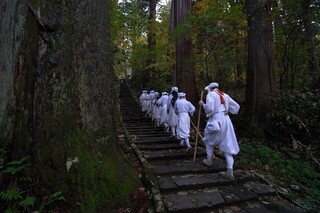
260, 82
152, 41
184, 57
172, 27
57, 96
314, 70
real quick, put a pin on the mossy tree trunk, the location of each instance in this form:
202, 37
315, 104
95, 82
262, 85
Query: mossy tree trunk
57, 92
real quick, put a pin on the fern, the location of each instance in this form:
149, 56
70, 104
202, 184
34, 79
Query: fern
55, 197
11, 194
16, 166
52, 198
28, 201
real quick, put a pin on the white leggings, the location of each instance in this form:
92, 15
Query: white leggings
229, 157
173, 130
186, 140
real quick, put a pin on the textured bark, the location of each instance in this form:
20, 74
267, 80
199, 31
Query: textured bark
184, 58
260, 71
172, 26
152, 40
57, 64
57, 93
310, 42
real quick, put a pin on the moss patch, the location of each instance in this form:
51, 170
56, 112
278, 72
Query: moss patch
99, 177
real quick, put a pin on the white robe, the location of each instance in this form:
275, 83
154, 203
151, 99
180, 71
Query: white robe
183, 107
163, 113
172, 117
225, 138
156, 110
144, 101
150, 103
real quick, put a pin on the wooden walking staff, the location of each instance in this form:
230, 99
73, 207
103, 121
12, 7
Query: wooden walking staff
198, 124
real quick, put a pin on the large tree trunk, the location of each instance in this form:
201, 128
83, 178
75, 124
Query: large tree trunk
152, 41
260, 72
172, 27
184, 60
57, 95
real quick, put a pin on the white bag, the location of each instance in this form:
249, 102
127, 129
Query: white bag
213, 127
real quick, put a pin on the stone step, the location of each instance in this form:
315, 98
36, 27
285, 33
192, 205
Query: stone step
169, 183
144, 134
161, 146
171, 154
212, 198
175, 167
146, 127
154, 140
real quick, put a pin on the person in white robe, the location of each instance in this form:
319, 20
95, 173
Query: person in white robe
219, 130
162, 102
171, 115
156, 110
144, 101
150, 104
183, 108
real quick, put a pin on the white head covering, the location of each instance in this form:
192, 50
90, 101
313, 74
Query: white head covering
182, 94
151, 91
213, 84
164, 93
174, 89
144, 91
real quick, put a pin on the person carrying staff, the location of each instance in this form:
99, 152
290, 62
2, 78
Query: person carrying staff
219, 130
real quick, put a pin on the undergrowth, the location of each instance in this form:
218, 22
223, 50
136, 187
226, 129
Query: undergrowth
16, 195
285, 168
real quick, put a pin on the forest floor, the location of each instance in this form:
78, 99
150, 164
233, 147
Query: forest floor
295, 174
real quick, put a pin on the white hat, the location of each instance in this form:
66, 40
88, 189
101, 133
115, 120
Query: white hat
181, 94
164, 93
144, 91
151, 91
174, 89
213, 84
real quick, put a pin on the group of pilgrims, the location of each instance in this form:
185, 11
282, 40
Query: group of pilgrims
170, 110
173, 111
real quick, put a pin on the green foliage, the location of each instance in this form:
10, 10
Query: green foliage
28, 201
13, 194
297, 114
219, 37
284, 167
57, 196
15, 199
14, 167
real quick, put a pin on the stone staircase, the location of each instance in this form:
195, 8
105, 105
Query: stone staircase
181, 185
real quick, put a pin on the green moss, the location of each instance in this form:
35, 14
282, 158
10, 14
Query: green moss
101, 179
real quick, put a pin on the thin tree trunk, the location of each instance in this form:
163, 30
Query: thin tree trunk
310, 42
